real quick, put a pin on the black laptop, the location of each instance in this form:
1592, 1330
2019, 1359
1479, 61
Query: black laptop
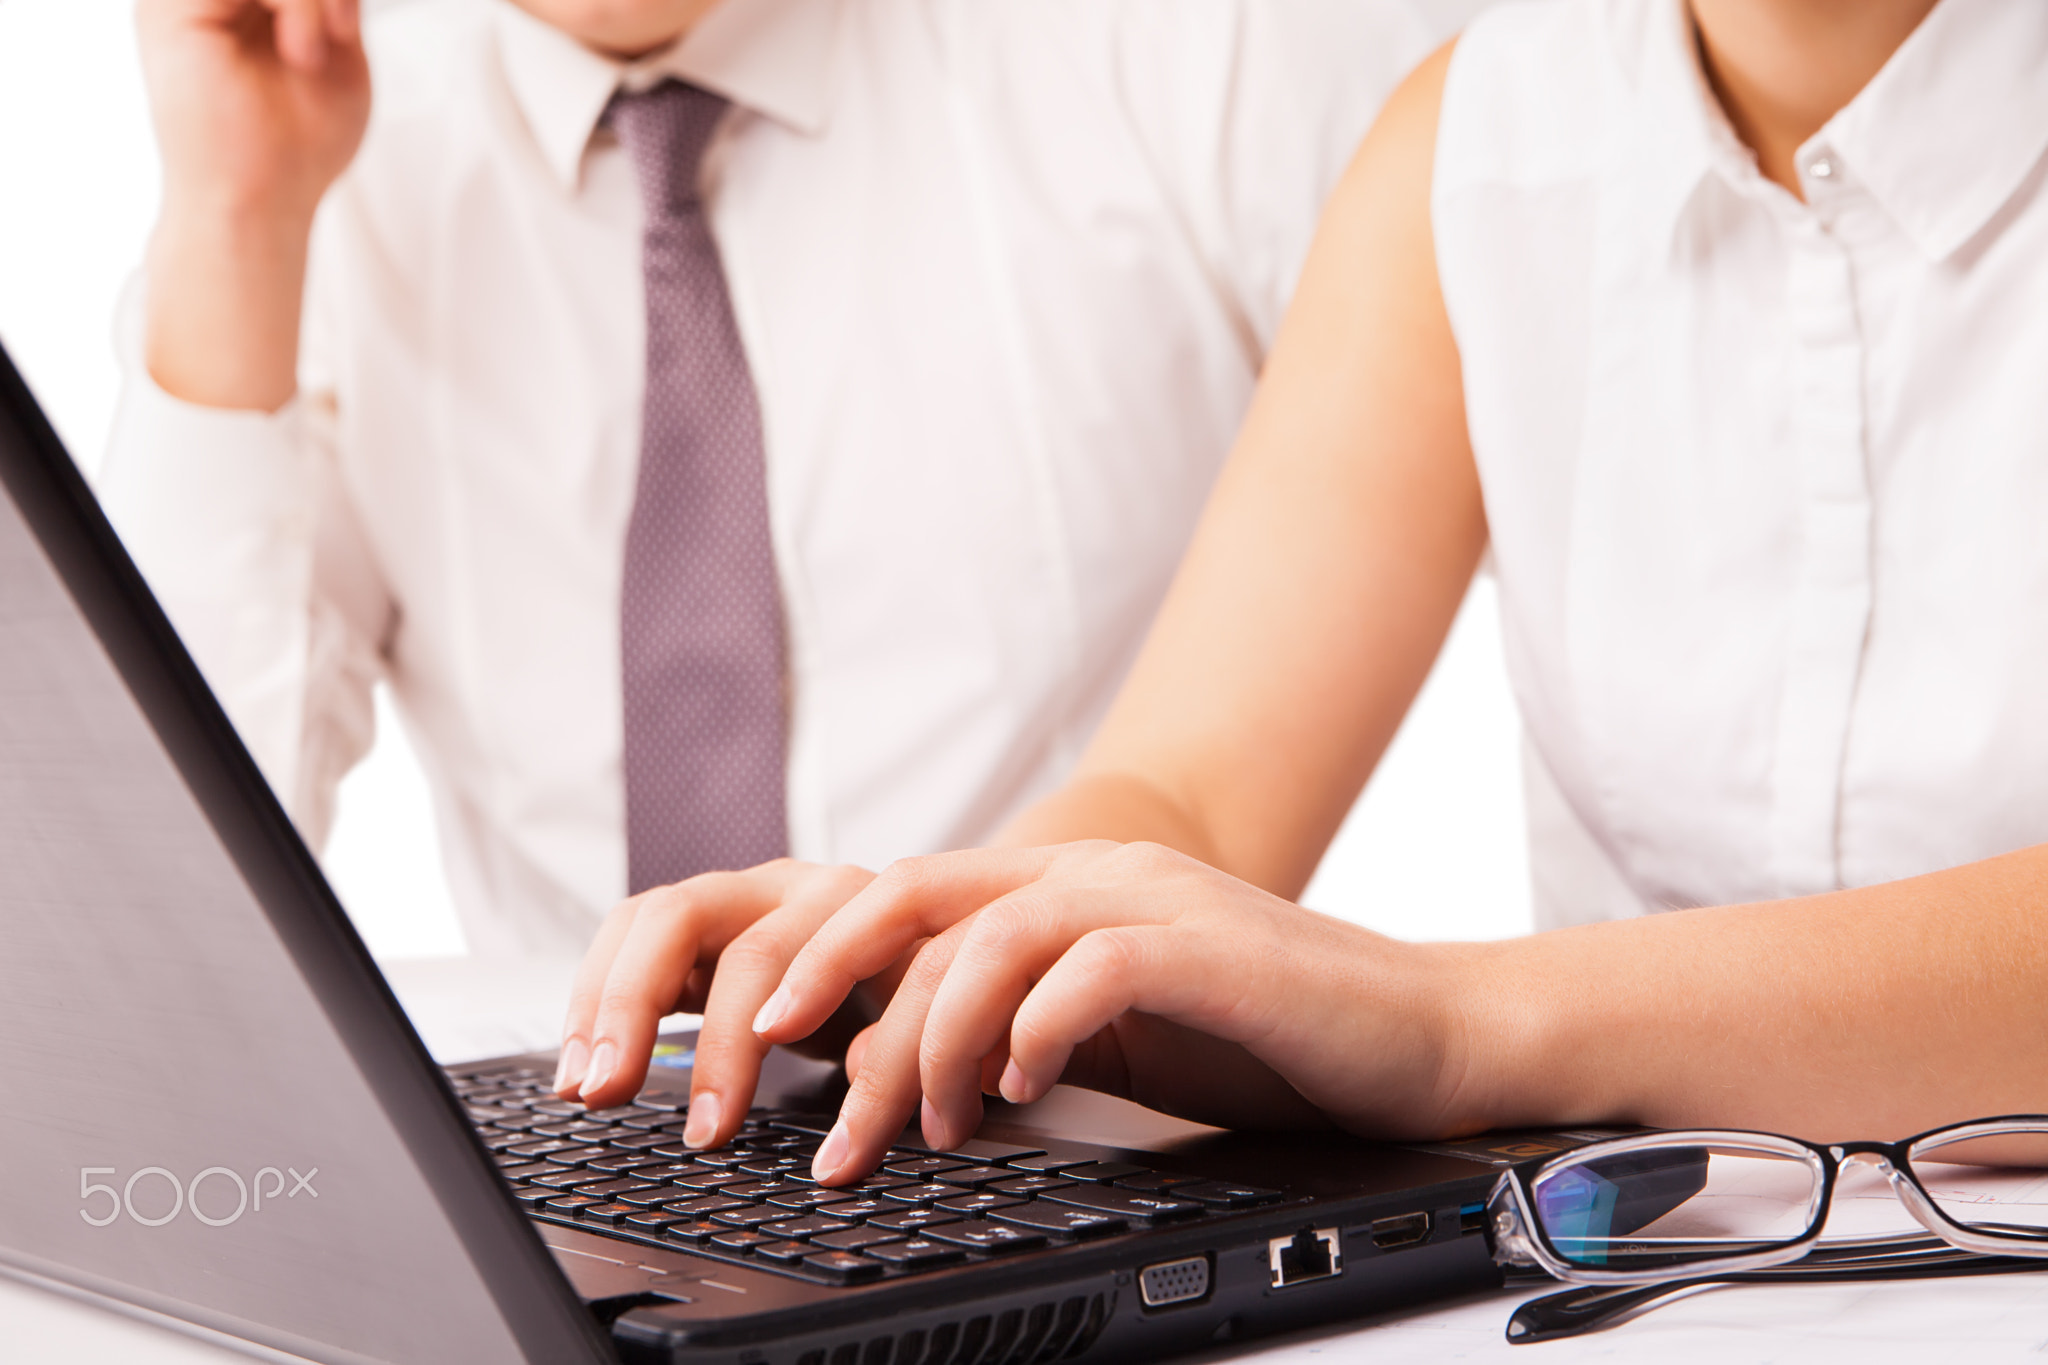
219, 1117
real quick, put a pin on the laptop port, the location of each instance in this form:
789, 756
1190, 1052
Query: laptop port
1174, 1282
1404, 1231
1311, 1254
1471, 1219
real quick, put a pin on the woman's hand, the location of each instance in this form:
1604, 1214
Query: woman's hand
714, 945
1127, 968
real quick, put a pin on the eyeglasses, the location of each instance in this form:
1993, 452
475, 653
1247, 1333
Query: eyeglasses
1655, 1207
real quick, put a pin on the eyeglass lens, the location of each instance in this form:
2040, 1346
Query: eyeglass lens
1996, 1183
1653, 1207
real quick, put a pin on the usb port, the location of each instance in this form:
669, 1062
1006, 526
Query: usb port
1174, 1282
1404, 1231
1471, 1219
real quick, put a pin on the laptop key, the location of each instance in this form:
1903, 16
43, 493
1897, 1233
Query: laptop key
910, 1220
1104, 1171
640, 1142
706, 1206
1153, 1182
613, 1189
695, 1232
811, 1226
1148, 1208
996, 1153
614, 1213
575, 1128
525, 1169
847, 1267
740, 1240
857, 1239
980, 1235
562, 1107
804, 1199
559, 1178
623, 1165
924, 1167
783, 1253
1219, 1194
707, 1181
1062, 1219
749, 1216
852, 1210
918, 1253
973, 1177
1030, 1184
654, 1222
533, 1196
570, 1203
649, 1197
920, 1194
981, 1201
574, 1156
1047, 1161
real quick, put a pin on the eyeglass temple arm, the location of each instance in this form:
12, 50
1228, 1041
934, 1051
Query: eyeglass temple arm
1589, 1308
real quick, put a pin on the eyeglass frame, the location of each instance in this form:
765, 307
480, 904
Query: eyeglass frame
1519, 1239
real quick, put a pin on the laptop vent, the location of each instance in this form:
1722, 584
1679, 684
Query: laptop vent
1021, 1336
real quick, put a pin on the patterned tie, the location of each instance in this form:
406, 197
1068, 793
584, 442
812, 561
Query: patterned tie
701, 640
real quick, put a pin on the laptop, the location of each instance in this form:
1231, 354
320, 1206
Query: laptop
219, 1117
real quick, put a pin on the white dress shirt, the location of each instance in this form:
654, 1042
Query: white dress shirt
1005, 271
1767, 480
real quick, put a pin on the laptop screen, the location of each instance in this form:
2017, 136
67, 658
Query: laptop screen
216, 1113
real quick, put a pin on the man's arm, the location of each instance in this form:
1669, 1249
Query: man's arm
259, 105
222, 486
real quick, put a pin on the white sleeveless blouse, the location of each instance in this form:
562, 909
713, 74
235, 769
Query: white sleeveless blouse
1767, 481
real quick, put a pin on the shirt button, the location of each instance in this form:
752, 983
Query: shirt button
1821, 169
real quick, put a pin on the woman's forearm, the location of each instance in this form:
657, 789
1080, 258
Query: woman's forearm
1871, 1013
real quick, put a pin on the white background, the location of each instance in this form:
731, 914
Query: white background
1435, 849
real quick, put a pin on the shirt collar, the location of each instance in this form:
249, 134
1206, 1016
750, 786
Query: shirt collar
1946, 133
771, 56
1941, 138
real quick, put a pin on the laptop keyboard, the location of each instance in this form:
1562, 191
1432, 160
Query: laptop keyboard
625, 1173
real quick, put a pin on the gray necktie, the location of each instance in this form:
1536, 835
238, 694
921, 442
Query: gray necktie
701, 640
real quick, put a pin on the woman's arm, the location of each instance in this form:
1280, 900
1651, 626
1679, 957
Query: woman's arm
1873, 1013
1329, 565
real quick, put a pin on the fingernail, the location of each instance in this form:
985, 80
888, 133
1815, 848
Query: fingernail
772, 1012
603, 1062
831, 1153
934, 1127
569, 1071
1013, 1086
703, 1124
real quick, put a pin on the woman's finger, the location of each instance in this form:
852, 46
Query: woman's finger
675, 929
1162, 970
885, 1092
1005, 948
914, 898
585, 994
729, 1053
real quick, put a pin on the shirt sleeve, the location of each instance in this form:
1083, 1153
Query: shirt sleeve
1254, 108
240, 524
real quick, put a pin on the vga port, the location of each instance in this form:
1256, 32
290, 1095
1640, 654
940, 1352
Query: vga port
1174, 1282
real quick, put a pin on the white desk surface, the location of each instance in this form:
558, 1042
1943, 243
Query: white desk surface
1989, 1319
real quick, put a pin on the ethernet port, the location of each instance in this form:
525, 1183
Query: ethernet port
1310, 1254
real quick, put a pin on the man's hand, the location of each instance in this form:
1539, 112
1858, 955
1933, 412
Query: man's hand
715, 945
259, 105
1127, 968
